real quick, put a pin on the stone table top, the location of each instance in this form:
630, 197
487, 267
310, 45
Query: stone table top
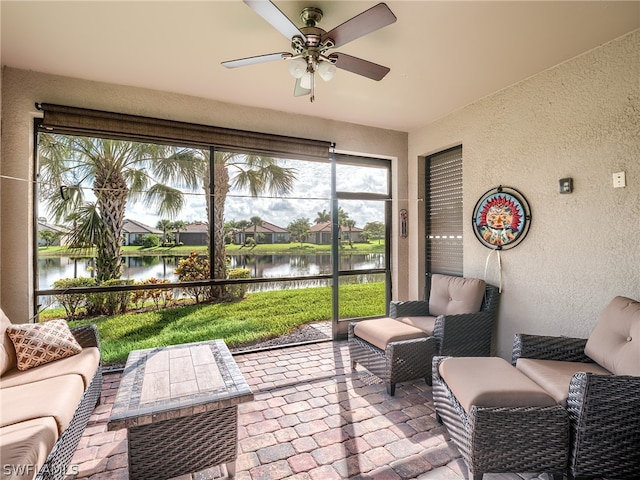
177, 381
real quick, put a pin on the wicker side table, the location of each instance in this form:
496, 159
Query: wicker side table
503, 439
180, 406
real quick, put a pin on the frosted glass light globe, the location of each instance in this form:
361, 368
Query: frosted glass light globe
297, 67
326, 70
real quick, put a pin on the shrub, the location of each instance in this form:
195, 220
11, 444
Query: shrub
237, 292
191, 269
109, 303
72, 302
162, 297
150, 241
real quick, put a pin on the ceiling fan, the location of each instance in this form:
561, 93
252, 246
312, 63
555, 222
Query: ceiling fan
310, 44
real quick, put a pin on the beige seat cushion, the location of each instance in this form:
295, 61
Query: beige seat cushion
84, 364
7, 352
491, 382
56, 397
426, 324
455, 295
26, 444
381, 331
555, 376
615, 341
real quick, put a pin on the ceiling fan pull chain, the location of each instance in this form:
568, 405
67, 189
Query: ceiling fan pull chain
313, 88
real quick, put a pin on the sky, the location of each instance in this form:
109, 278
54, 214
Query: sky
311, 195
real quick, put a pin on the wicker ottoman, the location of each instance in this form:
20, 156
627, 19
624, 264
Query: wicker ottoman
391, 350
501, 421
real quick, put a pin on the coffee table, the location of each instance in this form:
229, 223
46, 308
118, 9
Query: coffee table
180, 406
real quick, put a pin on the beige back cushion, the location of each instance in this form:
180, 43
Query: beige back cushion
7, 352
455, 295
615, 341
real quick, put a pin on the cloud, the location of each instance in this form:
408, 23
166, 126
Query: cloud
311, 194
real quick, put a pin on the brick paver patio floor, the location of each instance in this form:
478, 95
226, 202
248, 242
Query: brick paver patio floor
312, 418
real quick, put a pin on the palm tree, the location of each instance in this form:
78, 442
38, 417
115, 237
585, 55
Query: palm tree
254, 173
118, 172
121, 171
323, 217
343, 218
242, 225
349, 223
299, 229
256, 222
165, 226
178, 226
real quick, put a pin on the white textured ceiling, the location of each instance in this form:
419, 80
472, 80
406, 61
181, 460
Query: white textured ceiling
442, 55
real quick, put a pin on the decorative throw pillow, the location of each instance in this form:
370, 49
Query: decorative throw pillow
40, 343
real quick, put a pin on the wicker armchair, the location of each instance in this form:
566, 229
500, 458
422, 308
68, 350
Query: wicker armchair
462, 335
603, 397
416, 331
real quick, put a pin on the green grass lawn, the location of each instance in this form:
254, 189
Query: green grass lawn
260, 316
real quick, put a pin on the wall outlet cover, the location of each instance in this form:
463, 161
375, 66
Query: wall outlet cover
619, 180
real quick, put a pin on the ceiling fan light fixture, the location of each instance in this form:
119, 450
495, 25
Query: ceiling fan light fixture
326, 70
306, 80
297, 67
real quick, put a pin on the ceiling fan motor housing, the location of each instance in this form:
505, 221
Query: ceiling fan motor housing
311, 16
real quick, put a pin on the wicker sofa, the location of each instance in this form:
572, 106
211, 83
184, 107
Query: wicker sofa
457, 319
45, 409
598, 381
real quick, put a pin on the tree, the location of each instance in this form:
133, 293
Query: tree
253, 173
299, 229
374, 230
49, 237
178, 226
256, 222
230, 227
343, 217
121, 171
349, 223
165, 226
242, 226
118, 172
323, 217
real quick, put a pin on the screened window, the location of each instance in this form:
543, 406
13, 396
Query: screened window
135, 212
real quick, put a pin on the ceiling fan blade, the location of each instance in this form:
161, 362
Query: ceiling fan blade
368, 21
241, 62
298, 91
275, 17
361, 67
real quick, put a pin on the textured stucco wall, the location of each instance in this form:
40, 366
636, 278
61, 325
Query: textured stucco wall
580, 119
22, 89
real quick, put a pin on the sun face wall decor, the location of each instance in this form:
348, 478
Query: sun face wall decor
501, 218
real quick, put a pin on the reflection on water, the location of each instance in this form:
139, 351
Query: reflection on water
141, 268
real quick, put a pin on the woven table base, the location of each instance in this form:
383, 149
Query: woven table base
174, 447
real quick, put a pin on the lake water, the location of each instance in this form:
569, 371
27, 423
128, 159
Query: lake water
140, 268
